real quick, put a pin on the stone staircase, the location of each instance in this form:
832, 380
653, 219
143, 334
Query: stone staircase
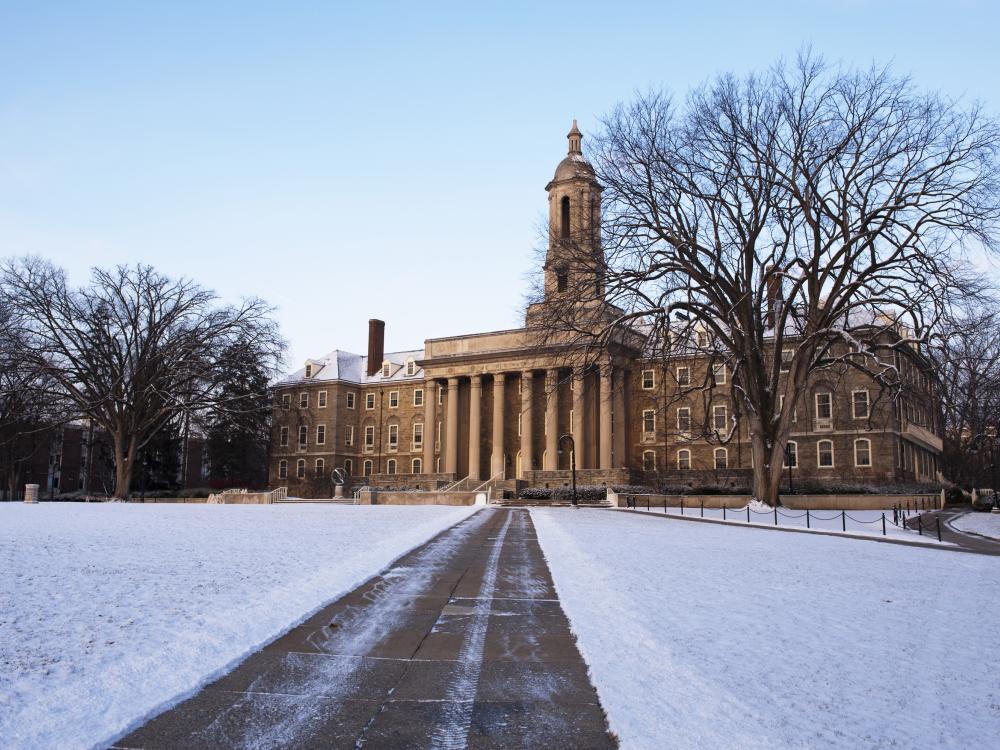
321, 501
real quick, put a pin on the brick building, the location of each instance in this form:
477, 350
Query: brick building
493, 406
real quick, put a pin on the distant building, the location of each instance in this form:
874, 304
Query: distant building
492, 406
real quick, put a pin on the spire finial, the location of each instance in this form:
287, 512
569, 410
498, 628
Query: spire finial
574, 136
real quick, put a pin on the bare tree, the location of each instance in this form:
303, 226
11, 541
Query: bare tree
966, 356
802, 220
134, 349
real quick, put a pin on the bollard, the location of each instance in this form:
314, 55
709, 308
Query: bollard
775, 515
938, 519
843, 520
682, 506
748, 512
920, 525
702, 508
723, 511
807, 518
31, 494
647, 502
664, 503
883, 524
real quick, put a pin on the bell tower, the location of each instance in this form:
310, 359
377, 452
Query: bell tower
574, 266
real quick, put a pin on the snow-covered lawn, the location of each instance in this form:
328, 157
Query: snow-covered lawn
984, 524
853, 522
110, 611
711, 636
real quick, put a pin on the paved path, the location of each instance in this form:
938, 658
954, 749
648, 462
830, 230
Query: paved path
968, 542
462, 643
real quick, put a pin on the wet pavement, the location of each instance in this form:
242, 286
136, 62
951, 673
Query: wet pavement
461, 644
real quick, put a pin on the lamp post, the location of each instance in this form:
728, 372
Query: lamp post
572, 461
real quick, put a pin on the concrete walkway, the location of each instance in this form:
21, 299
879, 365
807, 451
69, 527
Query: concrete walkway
964, 540
462, 643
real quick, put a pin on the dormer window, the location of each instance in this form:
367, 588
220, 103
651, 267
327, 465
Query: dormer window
386, 369
411, 367
309, 371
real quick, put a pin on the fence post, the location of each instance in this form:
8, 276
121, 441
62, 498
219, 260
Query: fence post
883, 524
682, 505
702, 508
723, 511
748, 512
664, 503
920, 526
775, 515
938, 519
843, 520
807, 518
647, 502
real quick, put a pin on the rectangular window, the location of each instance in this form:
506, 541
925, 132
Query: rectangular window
369, 401
351, 397
648, 461
720, 418
393, 436
393, 399
824, 406
441, 396
704, 339
286, 401
786, 359
300, 469
721, 458
411, 367
684, 419
684, 460
321, 434
719, 374
370, 436
282, 469
860, 402
824, 454
303, 400
683, 376
781, 405
320, 467
649, 421
518, 424
418, 397
437, 437
321, 399
862, 452
648, 380
303, 436
791, 454
418, 435
284, 436
349, 435
386, 369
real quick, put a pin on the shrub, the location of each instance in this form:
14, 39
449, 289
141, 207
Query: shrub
535, 493
955, 495
984, 502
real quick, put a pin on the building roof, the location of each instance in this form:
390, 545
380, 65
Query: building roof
353, 368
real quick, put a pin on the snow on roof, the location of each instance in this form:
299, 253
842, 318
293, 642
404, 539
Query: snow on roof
341, 365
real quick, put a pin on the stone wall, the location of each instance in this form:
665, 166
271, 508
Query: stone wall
384, 497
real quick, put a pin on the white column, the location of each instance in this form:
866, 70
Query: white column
551, 462
451, 433
526, 431
475, 409
579, 418
605, 396
496, 458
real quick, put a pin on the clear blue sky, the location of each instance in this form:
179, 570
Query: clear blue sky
357, 160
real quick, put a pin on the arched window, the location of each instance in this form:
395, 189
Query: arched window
320, 467
390, 466
368, 468
282, 469
418, 466
562, 281
348, 466
862, 452
824, 454
564, 217
791, 454
721, 458
683, 459
648, 461
300, 468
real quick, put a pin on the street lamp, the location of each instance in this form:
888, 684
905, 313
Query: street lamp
572, 461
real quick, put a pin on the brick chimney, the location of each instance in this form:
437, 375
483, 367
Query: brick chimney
376, 345
775, 295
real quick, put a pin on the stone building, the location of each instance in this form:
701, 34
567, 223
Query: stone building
495, 407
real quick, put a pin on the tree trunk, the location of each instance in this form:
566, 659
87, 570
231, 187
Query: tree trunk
123, 470
768, 462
